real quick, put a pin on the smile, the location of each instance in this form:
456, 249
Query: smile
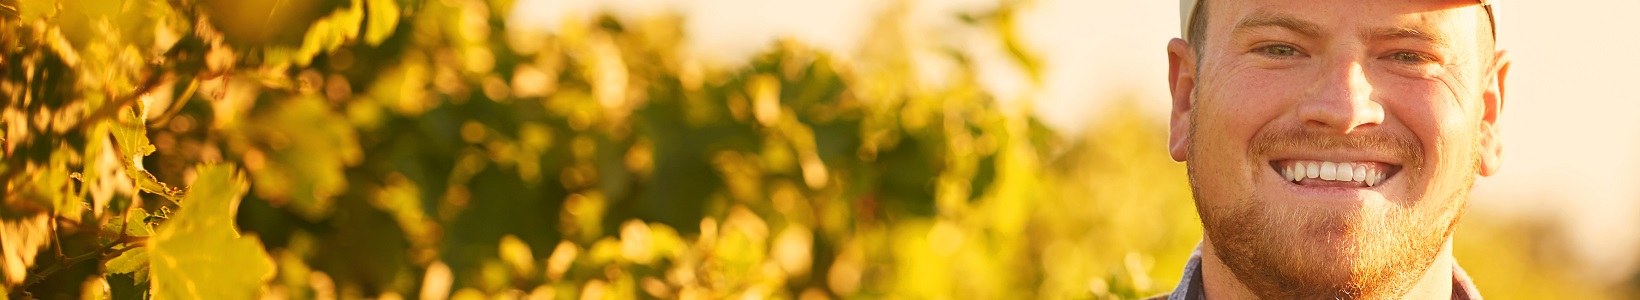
1334, 174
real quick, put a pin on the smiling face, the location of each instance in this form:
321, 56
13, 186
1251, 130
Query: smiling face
1331, 145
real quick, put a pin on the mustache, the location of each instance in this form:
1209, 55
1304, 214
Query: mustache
1400, 145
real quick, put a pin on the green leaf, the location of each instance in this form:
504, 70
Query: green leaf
131, 136
51, 188
132, 224
198, 253
129, 261
325, 35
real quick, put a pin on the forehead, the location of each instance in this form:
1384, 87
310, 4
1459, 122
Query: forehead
1450, 20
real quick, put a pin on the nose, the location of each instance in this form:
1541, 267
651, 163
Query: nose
1342, 100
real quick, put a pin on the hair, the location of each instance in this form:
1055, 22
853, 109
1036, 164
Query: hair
1198, 33
1198, 28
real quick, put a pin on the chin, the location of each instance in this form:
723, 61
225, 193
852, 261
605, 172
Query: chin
1325, 252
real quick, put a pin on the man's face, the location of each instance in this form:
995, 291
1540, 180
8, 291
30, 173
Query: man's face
1392, 104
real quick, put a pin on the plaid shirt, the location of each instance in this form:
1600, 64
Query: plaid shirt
1190, 286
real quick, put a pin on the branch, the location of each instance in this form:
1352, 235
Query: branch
108, 110
36, 277
178, 101
176, 105
70, 260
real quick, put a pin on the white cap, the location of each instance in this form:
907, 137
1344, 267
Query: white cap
1188, 8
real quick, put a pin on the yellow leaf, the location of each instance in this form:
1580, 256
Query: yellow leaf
199, 254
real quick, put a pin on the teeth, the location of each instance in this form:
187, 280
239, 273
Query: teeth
1345, 172
1337, 171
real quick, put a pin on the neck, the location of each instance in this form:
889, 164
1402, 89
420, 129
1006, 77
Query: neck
1218, 283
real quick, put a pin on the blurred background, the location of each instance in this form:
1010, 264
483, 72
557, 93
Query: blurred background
1109, 55
578, 149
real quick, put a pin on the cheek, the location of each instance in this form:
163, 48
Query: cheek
1229, 113
1442, 124
1234, 109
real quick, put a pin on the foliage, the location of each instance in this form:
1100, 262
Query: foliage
197, 253
401, 148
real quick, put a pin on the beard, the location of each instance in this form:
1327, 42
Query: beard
1377, 251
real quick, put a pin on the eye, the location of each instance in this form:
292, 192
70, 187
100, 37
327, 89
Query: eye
1409, 57
1278, 51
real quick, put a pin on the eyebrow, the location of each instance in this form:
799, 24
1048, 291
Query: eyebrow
1301, 27
1313, 30
1406, 32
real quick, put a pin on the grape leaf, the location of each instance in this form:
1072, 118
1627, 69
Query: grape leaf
50, 187
131, 138
198, 253
325, 35
133, 224
133, 260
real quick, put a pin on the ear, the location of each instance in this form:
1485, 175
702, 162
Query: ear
1181, 82
1491, 151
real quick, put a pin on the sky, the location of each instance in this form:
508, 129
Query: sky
1570, 128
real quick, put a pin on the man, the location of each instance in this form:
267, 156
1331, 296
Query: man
1331, 144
